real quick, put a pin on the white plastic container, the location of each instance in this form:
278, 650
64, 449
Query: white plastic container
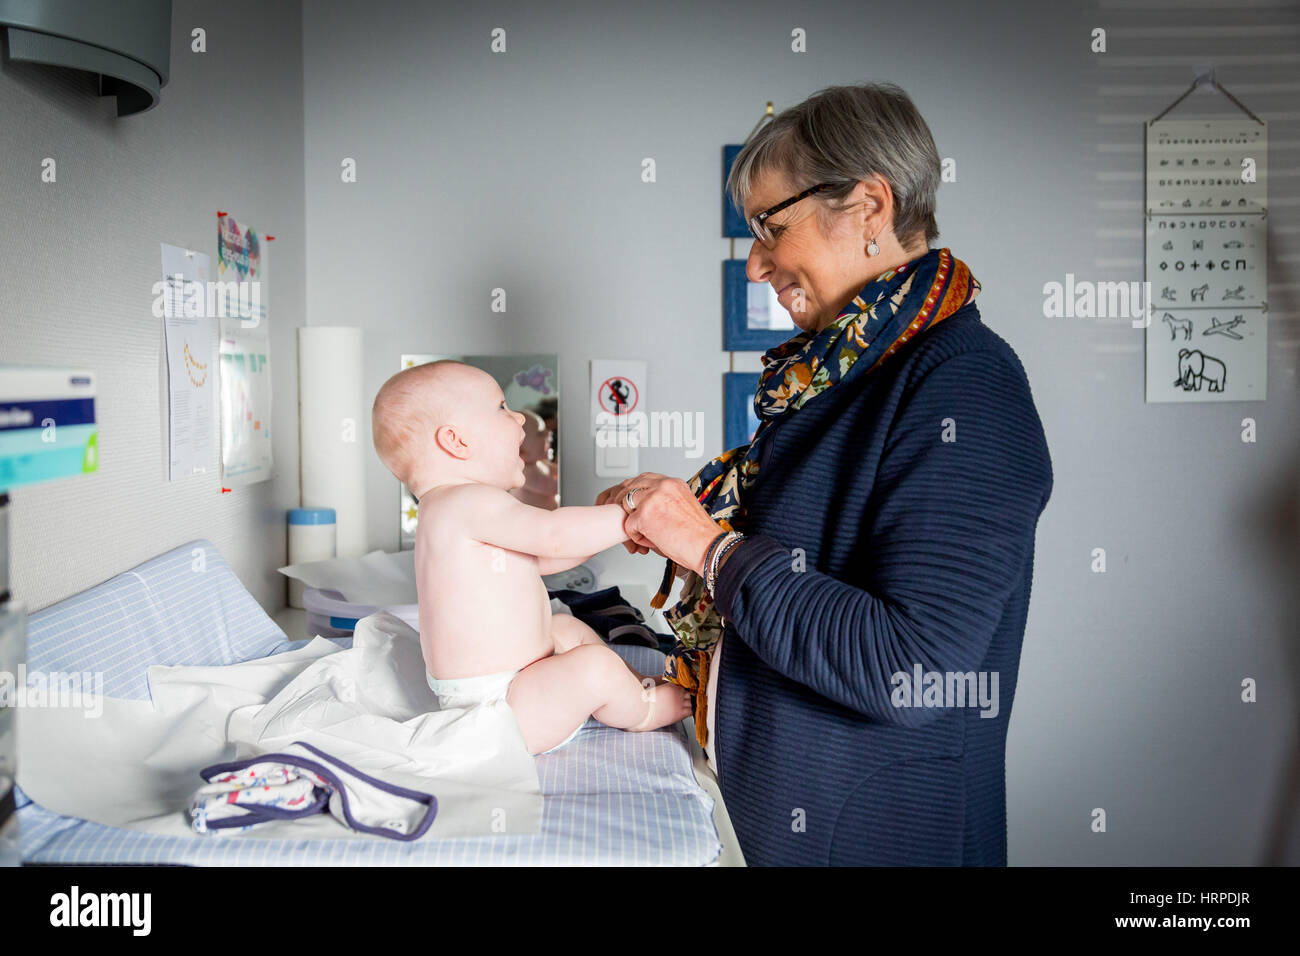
312, 537
330, 616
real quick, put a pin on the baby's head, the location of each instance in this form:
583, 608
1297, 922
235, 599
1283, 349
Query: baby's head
447, 421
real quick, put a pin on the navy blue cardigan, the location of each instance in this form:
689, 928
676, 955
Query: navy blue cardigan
916, 550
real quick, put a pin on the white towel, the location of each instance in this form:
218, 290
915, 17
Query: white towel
137, 765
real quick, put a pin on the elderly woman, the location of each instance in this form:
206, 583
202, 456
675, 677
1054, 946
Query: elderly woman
857, 577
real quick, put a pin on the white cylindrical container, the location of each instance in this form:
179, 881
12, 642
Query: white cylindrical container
332, 417
311, 538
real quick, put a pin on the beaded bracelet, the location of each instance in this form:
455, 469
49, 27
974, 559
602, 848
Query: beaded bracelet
734, 538
718, 555
708, 552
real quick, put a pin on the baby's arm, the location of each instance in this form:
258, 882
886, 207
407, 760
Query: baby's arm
494, 516
556, 565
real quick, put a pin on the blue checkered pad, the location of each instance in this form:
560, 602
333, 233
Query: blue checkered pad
610, 797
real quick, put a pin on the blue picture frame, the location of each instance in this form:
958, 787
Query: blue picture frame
739, 320
740, 420
733, 219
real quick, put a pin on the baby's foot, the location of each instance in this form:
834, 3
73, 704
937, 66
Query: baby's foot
667, 704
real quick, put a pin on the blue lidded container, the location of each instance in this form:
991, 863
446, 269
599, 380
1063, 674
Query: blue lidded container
313, 536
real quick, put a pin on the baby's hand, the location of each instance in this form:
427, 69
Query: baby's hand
638, 543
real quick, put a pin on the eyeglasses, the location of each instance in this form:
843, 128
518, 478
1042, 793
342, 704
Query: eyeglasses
758, 224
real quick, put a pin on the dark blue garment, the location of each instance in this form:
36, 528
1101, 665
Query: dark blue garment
608, 614
915, 549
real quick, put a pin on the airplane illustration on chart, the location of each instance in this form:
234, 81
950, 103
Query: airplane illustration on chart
1224, 328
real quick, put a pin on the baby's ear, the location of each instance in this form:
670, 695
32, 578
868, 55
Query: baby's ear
451, 440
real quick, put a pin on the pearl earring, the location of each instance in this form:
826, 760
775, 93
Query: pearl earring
873, 249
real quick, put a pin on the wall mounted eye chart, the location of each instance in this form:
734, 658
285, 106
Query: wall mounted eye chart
1206, 260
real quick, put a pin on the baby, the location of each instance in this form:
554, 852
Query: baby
486, 627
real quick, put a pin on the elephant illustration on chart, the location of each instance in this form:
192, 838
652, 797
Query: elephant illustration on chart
1195, 367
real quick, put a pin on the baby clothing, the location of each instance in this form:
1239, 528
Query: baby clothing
465, 692
301, 781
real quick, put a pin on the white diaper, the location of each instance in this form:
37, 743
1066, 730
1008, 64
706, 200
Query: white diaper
464, 692
469, 691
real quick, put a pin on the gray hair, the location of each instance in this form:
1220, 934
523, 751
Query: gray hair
842, 135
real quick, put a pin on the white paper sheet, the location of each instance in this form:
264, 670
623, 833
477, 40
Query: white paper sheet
191, 376
377, 579
137, 765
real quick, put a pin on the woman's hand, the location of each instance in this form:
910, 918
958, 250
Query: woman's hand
666, 519
616, 495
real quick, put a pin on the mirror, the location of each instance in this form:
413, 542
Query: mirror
531, 385
763, 310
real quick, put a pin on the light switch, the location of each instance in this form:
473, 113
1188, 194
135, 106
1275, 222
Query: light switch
617, 461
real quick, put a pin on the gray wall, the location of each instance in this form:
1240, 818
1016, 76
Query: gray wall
81, 257
522, 171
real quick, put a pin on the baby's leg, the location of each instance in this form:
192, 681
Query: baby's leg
553, 696
568, 632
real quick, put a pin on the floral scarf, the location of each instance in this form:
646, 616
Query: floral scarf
891, 309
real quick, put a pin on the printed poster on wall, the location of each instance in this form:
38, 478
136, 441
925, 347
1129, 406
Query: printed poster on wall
618, 415
618, 391
1206, 260
245, 355
187, 330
